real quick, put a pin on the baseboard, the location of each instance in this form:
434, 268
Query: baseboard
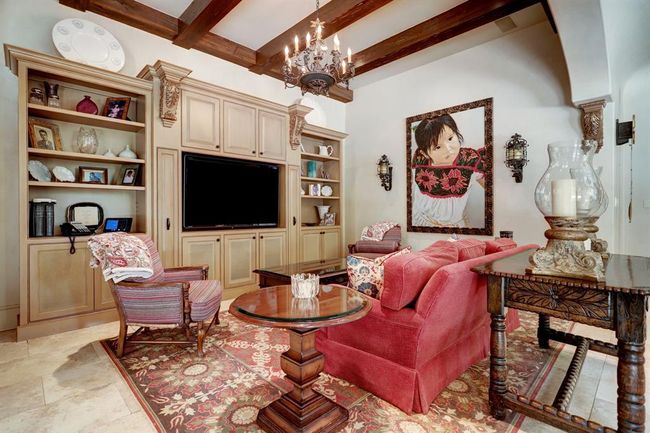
55, 326
8, 317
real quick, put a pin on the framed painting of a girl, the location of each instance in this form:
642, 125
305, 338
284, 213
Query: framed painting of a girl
449, 170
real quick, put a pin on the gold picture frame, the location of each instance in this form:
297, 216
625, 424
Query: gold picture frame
44, 134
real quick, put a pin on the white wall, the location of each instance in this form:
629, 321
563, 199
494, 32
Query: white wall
526, 75
28, 24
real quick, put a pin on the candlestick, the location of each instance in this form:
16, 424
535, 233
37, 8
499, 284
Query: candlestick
343, 66
286, 52
319, 32
296, 43
563, 197
308, 39
337, 43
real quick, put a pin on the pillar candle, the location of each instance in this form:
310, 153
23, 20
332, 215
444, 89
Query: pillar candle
563, 197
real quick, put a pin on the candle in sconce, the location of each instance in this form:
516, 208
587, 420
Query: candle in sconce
337, 43
286, 53
563, 197
296, 44
343, 66
349, 55
308, 39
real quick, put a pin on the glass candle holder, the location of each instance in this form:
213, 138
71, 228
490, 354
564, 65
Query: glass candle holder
304, 286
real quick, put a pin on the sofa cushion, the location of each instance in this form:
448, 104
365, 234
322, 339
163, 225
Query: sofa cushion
405, 276
498, 245
384, 247
469, 249
367, 275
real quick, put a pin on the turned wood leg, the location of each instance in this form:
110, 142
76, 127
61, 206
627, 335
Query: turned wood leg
630, 373
543, 331
121, 339
200, 336
302, 409
498, 370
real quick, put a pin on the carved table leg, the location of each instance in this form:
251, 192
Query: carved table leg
630, 331
302, 409
543, 331
498, 370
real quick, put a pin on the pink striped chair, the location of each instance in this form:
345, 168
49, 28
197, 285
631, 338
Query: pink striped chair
173, 296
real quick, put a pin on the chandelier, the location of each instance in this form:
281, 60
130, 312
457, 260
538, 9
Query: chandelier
313, 69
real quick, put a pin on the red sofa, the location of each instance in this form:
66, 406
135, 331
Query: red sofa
429, 327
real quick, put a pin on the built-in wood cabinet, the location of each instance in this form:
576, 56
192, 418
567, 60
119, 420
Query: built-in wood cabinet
272, 250
103, 294
320, 244
203, 250
239, 129
201, 116
240, 259
273, 129
61, 284
167, 205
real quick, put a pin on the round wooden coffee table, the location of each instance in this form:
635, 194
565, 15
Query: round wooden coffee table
302, 409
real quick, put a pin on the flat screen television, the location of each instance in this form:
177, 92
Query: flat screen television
223, 193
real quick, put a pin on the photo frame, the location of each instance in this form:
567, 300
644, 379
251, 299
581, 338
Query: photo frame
95, 175
449, 174
330, 219
116, 108
128, 175
44, 134
314, 189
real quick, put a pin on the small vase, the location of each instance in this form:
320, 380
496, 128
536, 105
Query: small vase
86, 105
127, 153
109, 153
87, 140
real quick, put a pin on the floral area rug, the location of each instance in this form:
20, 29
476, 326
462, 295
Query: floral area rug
240, 374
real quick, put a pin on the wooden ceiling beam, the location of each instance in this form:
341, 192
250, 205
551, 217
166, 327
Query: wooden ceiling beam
199, 17
457, 20
337, 14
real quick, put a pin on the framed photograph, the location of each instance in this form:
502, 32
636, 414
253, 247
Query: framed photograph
449, 170
128, 175
314, 189
93, 175
330, 219
117, 108
44, 135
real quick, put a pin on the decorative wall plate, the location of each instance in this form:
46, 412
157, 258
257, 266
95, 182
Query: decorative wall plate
326, 191
62, 174
86, 42
39, 171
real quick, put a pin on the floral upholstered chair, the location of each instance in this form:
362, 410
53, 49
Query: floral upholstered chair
173, 296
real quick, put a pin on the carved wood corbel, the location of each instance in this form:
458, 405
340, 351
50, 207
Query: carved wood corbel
170, 77
592, 121
297, 122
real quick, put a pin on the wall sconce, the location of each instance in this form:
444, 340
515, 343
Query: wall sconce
516, 156
385, 172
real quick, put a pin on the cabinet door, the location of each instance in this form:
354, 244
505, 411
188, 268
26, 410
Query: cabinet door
273, 250
310, 246
103, 295
167, 205
331, 247
240, 259
239, 129
204, 250
200, 115
60, 283
273, 129
293, 212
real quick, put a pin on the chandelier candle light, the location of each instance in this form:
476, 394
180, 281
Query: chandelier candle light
313, 69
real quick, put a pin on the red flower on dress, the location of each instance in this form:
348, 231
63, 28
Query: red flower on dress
453, 181
426, 179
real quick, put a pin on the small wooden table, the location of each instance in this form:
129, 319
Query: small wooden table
301, 409
618, 304
333, 271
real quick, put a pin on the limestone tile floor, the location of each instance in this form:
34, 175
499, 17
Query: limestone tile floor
66, 383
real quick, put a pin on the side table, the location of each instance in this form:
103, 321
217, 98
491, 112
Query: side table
619, 304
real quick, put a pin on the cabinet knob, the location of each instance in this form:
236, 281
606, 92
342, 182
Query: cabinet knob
217, 146
218, 239
261, 153
261, 237
253, 151
294, 221
254, 237
168, 223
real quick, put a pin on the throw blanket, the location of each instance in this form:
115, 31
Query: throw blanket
120, 255
376, 232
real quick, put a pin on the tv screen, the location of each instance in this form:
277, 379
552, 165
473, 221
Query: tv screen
223, 193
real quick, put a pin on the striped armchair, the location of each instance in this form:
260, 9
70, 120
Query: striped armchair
173, 296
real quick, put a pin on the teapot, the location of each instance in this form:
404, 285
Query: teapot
325, 150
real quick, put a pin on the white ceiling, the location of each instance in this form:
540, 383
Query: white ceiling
253, 23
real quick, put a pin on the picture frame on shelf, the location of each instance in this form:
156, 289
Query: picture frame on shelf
95, 175
314, 189
330, 218
44, 134
116, 108
128, 175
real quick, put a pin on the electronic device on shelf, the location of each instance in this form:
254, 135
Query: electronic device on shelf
75, 228
82, 219
117, 225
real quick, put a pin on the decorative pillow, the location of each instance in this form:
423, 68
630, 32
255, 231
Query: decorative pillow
367, 275
498, 245
376, 246
406, 276
469, 249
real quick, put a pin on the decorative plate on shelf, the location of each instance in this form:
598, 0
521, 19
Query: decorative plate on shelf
62, 174
326, 191
39, 171
86, 42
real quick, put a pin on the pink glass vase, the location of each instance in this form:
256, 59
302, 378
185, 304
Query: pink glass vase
86, 105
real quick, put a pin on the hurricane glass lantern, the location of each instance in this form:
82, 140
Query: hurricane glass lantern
516, 156
568, 195
385, 172
305, 286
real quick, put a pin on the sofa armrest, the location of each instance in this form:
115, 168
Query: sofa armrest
185, 273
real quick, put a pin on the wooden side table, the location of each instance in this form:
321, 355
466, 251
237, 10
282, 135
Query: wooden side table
619, 304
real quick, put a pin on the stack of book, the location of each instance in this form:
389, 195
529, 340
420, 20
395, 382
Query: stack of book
41, 217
